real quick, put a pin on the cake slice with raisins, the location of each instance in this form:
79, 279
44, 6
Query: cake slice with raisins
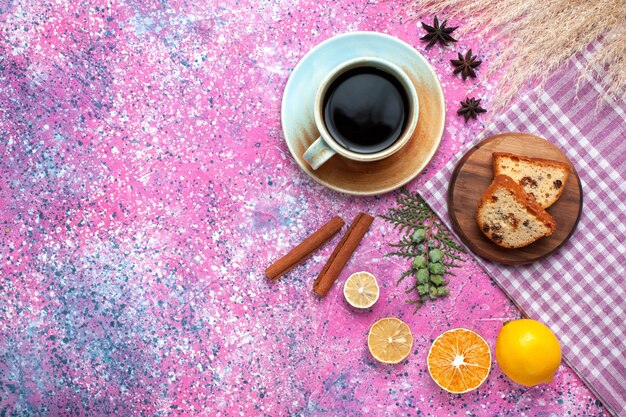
544, 179
510, 217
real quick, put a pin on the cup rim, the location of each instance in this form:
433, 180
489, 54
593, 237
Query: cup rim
388, 66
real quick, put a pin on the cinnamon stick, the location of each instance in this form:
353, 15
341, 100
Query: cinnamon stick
342, 253
304, 249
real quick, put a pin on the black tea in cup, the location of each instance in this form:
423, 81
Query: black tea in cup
365, 109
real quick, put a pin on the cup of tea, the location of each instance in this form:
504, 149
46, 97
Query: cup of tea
366, 109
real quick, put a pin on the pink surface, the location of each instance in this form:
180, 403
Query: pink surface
145, 185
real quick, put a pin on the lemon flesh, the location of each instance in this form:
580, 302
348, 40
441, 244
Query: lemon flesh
390, 340
361, 290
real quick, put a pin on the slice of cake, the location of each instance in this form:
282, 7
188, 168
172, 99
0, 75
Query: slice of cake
542, 178
510, 217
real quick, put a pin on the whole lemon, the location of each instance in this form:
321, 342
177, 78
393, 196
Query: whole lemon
528, 352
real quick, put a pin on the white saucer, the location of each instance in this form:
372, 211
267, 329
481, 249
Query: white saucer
363, 178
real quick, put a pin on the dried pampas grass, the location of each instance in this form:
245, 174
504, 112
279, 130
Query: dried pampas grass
541, 35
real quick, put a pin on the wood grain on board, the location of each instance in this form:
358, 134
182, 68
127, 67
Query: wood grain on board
474, 173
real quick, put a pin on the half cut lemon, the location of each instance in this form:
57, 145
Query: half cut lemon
361, 290
390, 340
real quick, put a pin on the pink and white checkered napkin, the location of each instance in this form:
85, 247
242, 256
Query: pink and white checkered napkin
579, 291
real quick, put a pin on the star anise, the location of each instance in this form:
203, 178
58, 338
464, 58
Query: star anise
470, 108
438, 33
465, 65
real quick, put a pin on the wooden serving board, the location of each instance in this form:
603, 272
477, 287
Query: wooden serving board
474, 173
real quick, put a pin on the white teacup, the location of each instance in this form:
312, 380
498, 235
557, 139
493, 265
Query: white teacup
326, 146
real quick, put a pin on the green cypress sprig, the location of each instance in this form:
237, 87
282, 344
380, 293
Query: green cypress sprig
429, 245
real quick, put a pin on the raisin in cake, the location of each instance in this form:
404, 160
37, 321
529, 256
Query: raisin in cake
542, 178
510, 217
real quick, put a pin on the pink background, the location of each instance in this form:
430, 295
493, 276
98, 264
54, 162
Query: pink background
144, 187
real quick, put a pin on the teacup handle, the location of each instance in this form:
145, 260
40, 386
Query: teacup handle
318, 153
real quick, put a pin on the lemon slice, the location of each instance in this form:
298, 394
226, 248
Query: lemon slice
361, 290
459, 361
390, 340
